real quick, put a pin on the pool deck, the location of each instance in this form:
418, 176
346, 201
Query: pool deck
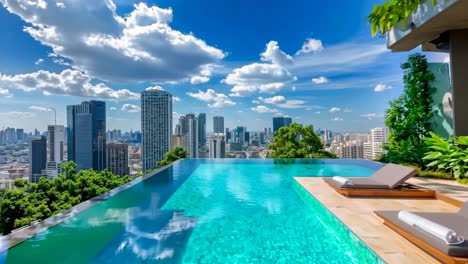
357, 214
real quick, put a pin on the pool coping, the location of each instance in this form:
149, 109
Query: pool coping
357, 215
21, 234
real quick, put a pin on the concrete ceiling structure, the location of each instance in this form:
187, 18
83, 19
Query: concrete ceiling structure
428, 26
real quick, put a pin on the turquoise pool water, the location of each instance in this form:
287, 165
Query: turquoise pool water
208, 211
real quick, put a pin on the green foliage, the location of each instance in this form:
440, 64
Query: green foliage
390, 13
408, 116
446, 156
36, 201
410, 151
176, 153
297, 141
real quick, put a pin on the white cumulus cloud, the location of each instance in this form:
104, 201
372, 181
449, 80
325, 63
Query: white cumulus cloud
275, 55
5, 92
320, 80
266, 78
175, 99
39, 61
92, 37
68, 82
199, 79
335, 110
112, 108
382, 87
310, 45
131, 108
215, 100
337, 119
263, 109
273, 100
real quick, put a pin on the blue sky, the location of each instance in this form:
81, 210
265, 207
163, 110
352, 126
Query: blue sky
246, 60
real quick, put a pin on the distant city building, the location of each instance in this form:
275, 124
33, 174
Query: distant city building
37, 158
374, 148
86, 135
55, 145
19, 135
176, 140
189, 133
217, 146
280, 121
117, 158
218, 124
201, 129
10, 136
156, 126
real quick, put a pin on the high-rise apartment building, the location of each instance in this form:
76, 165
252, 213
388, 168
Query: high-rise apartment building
218, 124
189, 133
55, 145
117, 158
37, 158
10, 136
217, 146
156, 126
86, 135
374, 148
280, 121
201, 129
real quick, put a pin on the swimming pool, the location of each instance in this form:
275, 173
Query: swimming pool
208, 211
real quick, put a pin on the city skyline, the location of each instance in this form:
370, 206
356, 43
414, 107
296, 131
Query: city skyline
323, 78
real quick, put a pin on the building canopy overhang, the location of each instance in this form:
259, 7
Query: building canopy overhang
428, 26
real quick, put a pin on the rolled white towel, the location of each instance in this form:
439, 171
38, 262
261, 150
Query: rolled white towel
449, 236
408, 217
342, 180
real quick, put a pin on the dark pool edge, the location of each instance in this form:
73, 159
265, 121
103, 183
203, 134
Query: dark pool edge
338, 219
27, 232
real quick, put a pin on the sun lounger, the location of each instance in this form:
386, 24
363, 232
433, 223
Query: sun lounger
427, 241
389, 181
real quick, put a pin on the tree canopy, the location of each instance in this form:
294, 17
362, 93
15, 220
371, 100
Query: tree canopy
174, 154
37, 201
408, 116
297, 141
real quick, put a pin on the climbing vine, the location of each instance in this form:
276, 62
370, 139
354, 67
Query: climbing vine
390, 13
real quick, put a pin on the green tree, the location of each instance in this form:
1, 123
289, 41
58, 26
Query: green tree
174, 154
36, 201
297, 141
408, 116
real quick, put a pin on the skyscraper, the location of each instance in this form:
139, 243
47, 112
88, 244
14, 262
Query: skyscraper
55, 144
19, 135
37, 158
201, 129
86, 135
217, 146
218, 124
189, 129
280, 121
156, 126
117, 158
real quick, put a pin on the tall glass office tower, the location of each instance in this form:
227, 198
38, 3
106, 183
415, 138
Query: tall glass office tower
156, 126
218, 124
279, 122
202, 129
86, 135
